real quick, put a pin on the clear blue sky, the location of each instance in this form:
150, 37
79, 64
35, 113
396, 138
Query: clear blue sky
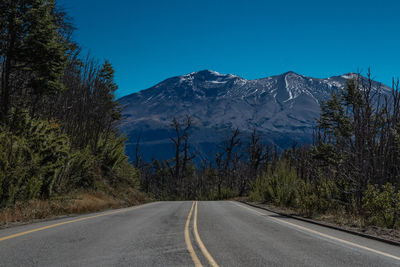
150, 40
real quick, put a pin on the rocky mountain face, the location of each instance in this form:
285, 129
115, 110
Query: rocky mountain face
282, 108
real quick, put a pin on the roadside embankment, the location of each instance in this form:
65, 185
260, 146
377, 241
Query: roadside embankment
71, 204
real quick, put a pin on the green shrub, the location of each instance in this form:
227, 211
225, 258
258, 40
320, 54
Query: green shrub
112, 159
80, 169
307, 201
128, 175
278, 186
227, 193
51, 151
257, 189
14, 166
32, 158
382, 206
85, 167
317, 196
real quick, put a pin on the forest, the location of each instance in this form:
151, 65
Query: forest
59, 138
58, 113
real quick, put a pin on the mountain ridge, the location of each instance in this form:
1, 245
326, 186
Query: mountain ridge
282, 107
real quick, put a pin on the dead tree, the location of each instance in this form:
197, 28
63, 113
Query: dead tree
179, 164
225, 159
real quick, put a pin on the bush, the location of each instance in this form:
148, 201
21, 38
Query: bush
85, 167
318, 196
128, 175
278, 186
32, 157
14, 168
257, 189
227, 193
382, 206
51, 149
114, 163
283, 188
80, 169
307, 201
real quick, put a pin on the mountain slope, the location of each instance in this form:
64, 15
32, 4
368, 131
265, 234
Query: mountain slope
283, 108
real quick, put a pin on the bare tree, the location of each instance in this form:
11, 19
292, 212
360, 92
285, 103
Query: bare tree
178, 166
225, 160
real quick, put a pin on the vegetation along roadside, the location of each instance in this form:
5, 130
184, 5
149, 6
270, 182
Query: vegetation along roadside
60, 149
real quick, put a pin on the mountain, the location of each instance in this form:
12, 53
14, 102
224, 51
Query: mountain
282, 108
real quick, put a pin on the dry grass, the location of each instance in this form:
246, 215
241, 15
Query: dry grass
80, 202
341, 218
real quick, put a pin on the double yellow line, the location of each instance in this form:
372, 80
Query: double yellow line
200, 243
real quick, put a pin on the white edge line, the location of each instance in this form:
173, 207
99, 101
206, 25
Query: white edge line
324, 235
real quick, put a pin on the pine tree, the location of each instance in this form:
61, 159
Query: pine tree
33, 53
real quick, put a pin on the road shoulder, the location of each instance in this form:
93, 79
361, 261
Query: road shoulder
386, 238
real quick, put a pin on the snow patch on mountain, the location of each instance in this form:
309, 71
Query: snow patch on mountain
282, 107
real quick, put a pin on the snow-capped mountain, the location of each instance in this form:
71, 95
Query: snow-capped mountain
283, 108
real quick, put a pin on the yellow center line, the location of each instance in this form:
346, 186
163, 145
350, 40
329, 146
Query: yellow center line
200, 243
324, 235
189, 246
71, 221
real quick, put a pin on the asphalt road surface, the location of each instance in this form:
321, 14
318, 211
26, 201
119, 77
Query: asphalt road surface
188, 233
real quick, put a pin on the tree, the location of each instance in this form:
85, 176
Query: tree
225, 161
33, 54
180, 167
105, 110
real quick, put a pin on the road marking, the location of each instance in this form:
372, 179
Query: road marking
324, 235
200, 243
189, 246
71, 221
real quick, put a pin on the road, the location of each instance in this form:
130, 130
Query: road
188, 233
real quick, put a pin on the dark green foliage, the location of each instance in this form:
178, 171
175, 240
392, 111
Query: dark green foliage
114, 162
33, 158
357, 138
13, 169
80, 169
43, 48
333, 119
58, 112
32, 53
127, 175
37, 161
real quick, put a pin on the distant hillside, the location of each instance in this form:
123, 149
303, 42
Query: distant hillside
283, 108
